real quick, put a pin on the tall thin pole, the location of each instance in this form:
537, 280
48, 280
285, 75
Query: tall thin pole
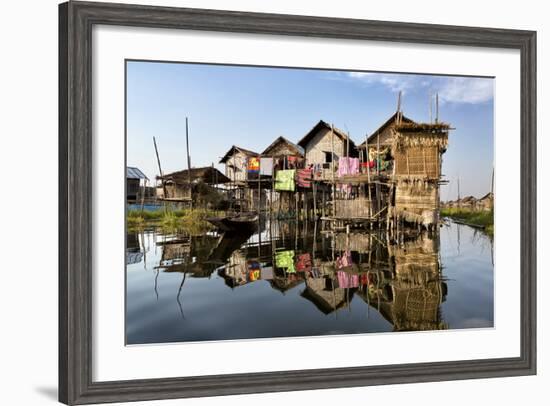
188, 159
458, 191
160, 169
333, 184
368, 174
399, 108
436, 108
431, 108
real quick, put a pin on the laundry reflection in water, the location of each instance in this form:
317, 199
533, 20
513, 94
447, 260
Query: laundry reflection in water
293, 279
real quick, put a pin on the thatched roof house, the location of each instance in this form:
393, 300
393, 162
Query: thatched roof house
283, 147
235, 160
206, 174
176, 186
384, 133
318, 143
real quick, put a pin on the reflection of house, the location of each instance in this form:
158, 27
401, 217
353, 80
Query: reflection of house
136, 181
320, 142
133, 249
179, 185
418, 289
323, 293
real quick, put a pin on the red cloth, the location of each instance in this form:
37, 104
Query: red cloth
303, 264
304, 177
369, 164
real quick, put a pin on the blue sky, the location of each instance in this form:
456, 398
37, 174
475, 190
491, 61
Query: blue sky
251, 106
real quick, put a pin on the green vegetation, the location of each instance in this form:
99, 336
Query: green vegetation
192, 221
483, 219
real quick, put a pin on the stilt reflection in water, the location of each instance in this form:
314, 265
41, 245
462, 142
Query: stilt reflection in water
292, 278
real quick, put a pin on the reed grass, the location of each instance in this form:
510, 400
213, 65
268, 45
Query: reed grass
191, 221
481, 218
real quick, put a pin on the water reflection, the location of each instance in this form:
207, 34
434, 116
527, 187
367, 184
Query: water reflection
295, 279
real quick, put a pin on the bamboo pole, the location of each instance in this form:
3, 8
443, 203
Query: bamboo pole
313, 185
160, 171
368, 173
332, 170
188, 160
143, 194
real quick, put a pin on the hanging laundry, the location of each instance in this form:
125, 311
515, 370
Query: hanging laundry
347, 280
266, 166
344, 261
304, 178
368, 164
253, 275
253, 165
348, 166
266, 273
284, 180
285, 259
303, 263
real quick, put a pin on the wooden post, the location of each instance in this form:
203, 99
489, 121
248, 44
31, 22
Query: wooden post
188, 160
378, 154
368, 175
333, 184
143, 194
436, 108
161, 174
313, 185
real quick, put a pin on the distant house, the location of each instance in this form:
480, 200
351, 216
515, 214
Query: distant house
178, 186
382, 137
486, 202
135, 184
318, 144
235, 161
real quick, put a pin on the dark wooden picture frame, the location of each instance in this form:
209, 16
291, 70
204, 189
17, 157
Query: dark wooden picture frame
76, 20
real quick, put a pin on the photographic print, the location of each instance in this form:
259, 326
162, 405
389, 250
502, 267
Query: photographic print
268, 202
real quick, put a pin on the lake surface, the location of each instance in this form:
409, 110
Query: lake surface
294, 279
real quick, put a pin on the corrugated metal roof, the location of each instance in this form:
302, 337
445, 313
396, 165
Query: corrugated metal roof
134, 173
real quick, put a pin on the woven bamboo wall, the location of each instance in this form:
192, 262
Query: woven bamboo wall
416, 196
359, 242
419, 161
355, 208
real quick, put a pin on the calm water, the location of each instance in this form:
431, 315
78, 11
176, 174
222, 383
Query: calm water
293, 279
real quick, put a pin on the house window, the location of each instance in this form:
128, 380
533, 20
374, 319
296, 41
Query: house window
328, 157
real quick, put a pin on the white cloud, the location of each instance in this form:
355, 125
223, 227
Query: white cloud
394, 82
466, 90
450, 89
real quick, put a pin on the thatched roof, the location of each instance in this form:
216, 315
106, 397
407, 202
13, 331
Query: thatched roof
372, 138
205, 174
320, 125
488, 196
235, 149
298, 151
422, 127
325, 301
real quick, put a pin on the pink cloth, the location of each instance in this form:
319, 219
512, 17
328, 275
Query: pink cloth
348, 166
344, 261
346, 280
